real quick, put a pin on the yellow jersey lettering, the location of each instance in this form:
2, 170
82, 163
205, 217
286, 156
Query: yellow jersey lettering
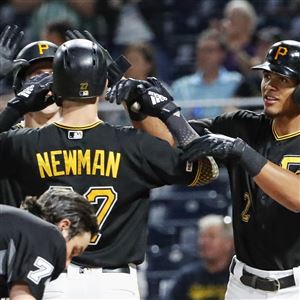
281, 51
84, 162
78, 162
44, 164
98, 163
113, 164
70, 159
55, 163
42, 47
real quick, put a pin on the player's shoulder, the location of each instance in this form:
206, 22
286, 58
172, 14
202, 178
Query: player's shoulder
138, 138
127, 131
22, 222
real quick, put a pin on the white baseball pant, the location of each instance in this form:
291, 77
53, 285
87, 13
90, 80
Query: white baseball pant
285, 284
94, 283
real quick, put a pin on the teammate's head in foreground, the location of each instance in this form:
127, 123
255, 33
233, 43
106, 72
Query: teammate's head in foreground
281, 77
71, 212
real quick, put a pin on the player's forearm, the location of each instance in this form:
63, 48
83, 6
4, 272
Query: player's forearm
8, 117
155, 127
281, 185
181, 129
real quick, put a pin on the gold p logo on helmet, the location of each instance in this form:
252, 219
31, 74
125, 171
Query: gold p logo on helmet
282, 51
42, 47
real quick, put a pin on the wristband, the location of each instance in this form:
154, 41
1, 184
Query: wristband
18, 105
168, 110
250, 159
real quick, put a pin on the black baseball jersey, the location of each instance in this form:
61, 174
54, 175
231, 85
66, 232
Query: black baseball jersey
31, 250
113, 167
194, 282
266, 233
10, 190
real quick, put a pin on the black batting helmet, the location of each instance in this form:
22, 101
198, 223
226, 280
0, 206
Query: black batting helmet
33, 52
283, 58
79, 70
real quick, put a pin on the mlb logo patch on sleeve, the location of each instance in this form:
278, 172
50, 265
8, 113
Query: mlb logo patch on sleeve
75, 134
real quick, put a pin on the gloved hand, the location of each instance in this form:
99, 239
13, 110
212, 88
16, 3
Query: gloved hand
115, 69
33, 97
130, 91
216, 145
148, 97
224, 147
10, 40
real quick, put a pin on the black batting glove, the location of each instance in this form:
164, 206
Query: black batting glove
33, 97
128, 91
225, 148
156, 101
10, 40
115, 68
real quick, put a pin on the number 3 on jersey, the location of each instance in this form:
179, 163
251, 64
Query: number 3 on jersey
103, 198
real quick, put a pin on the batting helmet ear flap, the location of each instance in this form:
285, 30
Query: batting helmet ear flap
296, 95
58, 100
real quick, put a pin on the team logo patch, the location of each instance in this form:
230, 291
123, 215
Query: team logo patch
42, 48
281, 51
75, 135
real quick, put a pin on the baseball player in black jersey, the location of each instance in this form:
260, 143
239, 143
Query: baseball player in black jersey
32, 250
38, 109
36, 105
262, 154
113, 167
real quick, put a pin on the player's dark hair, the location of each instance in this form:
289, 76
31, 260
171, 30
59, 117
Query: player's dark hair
57, 204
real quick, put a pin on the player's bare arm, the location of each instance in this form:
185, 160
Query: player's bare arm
20, 291
281, 185
150, 98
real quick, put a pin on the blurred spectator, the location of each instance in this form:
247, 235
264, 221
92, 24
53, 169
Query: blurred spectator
250, 86
79, 14
141, 57
51, 11
211, 80
207, 279
90, 18
18, 12
238, 26
55, 32
132, 26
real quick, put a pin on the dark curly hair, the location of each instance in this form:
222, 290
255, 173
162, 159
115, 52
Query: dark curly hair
57, 204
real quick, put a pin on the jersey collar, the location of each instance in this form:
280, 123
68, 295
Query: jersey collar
285, 136
89, 126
